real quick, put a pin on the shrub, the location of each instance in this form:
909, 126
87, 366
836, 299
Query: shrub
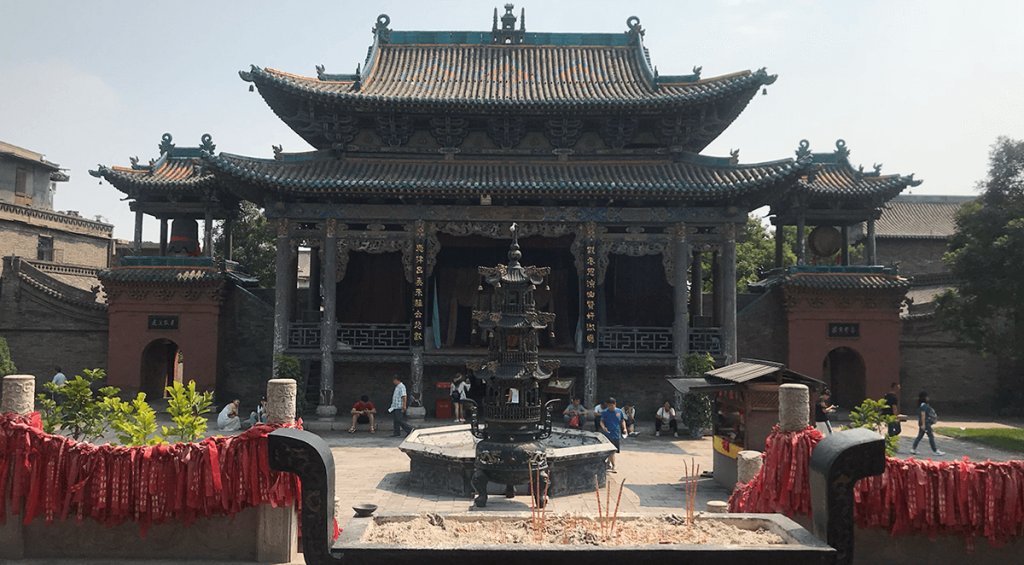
73, 407
133, 421
871, 414
6, 364
186, 408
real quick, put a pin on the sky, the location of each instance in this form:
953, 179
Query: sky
923, 87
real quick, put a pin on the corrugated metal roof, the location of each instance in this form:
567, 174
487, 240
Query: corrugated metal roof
744, 371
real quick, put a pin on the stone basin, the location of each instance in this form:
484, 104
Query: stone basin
441, 459
799, 547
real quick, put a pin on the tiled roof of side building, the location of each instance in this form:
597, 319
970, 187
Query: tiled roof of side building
846, 281
161, 274
321, 173
931, 217
176, 170
833, 178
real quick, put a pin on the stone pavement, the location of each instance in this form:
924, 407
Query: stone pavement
371, 469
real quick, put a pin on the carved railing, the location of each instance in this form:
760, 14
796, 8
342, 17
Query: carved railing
363, 337
374, 337
304, 336
705, 340
626, 339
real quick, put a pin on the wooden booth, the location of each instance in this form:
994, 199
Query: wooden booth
746, 407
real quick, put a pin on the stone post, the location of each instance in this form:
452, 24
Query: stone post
748, 465
717, 507
328, 321
844, 253
780, 241
278, 528
19, 398
680, 325
229, 239
794, 407
729, 346
416, 410
18, 394
282, 309
590, 377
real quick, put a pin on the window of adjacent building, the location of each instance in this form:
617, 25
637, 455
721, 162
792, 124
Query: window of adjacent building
21, 181
44, 252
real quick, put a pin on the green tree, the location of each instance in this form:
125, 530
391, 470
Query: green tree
873, 415
74, 408
6, 364
986, 310
252, 245
133, 421
186, 407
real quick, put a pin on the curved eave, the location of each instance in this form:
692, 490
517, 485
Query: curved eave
133, 181
687, 181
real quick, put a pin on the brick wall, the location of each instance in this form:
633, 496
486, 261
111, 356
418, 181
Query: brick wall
246, 356
43, 331
21, 239
956, 380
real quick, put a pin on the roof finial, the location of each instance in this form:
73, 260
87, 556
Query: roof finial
380, 30
207, 144
165, 144
522, 19
494, 26
841, 151
514, 255
804, 150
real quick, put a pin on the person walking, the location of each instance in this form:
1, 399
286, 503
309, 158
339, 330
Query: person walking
926, 419
399, 404
892, 400
822, 409
613, 424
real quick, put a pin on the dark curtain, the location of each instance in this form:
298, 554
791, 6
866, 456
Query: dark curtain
636, 292
374, 290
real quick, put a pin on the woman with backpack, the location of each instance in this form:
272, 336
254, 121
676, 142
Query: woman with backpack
460, 387
926, 419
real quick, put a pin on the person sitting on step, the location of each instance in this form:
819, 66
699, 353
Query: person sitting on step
666, 417
362, 413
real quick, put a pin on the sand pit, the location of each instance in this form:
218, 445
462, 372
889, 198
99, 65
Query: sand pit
436, 531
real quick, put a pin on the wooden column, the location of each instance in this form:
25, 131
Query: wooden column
325, 283
163, 237
282, 307
716, 288
697, 284
680, 325
229, 239
729, 295
419, 312
315, 284
589, 312
780, 242
208, 233
137, 244
800, 243
872, 257
844, 253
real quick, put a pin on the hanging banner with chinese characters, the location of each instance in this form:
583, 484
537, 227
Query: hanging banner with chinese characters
419, 287
590, 294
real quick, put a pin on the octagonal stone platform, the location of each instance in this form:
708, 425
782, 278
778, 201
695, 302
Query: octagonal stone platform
441, 459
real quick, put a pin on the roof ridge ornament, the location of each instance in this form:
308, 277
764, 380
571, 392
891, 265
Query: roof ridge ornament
381, 31
165, 144
841, 151
507, 34
804, 151
207, 144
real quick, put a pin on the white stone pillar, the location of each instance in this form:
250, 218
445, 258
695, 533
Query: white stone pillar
794, 407
748, 465
19, 393
281, 401
717, 507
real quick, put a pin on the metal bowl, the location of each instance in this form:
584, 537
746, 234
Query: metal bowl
364, 510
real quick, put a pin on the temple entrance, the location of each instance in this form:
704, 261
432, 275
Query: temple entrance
843, 370
163, 364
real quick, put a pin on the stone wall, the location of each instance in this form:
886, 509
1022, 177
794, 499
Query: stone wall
22, 239
44, 330
762, 330
245, 359
956, 380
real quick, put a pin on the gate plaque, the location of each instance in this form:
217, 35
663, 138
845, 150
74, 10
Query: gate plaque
844, 329
162, 322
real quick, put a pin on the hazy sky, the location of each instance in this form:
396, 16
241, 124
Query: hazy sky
923, 87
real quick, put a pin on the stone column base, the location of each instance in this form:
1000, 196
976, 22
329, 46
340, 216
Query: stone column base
277, 538
416, 413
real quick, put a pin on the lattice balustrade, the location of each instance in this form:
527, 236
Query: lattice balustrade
511, 412
303, 336
624, 339
705, 340
517, 357
374, 337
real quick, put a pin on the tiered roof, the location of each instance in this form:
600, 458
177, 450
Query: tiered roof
177, 170
691, 178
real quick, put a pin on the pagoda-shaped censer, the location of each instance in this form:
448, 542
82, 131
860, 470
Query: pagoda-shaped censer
511, 451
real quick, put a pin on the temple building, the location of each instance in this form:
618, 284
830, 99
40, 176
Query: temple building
424, 156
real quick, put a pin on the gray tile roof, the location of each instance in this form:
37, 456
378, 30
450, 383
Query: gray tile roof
921, 216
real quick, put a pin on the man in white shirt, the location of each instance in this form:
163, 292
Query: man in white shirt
59, 379
399, 404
